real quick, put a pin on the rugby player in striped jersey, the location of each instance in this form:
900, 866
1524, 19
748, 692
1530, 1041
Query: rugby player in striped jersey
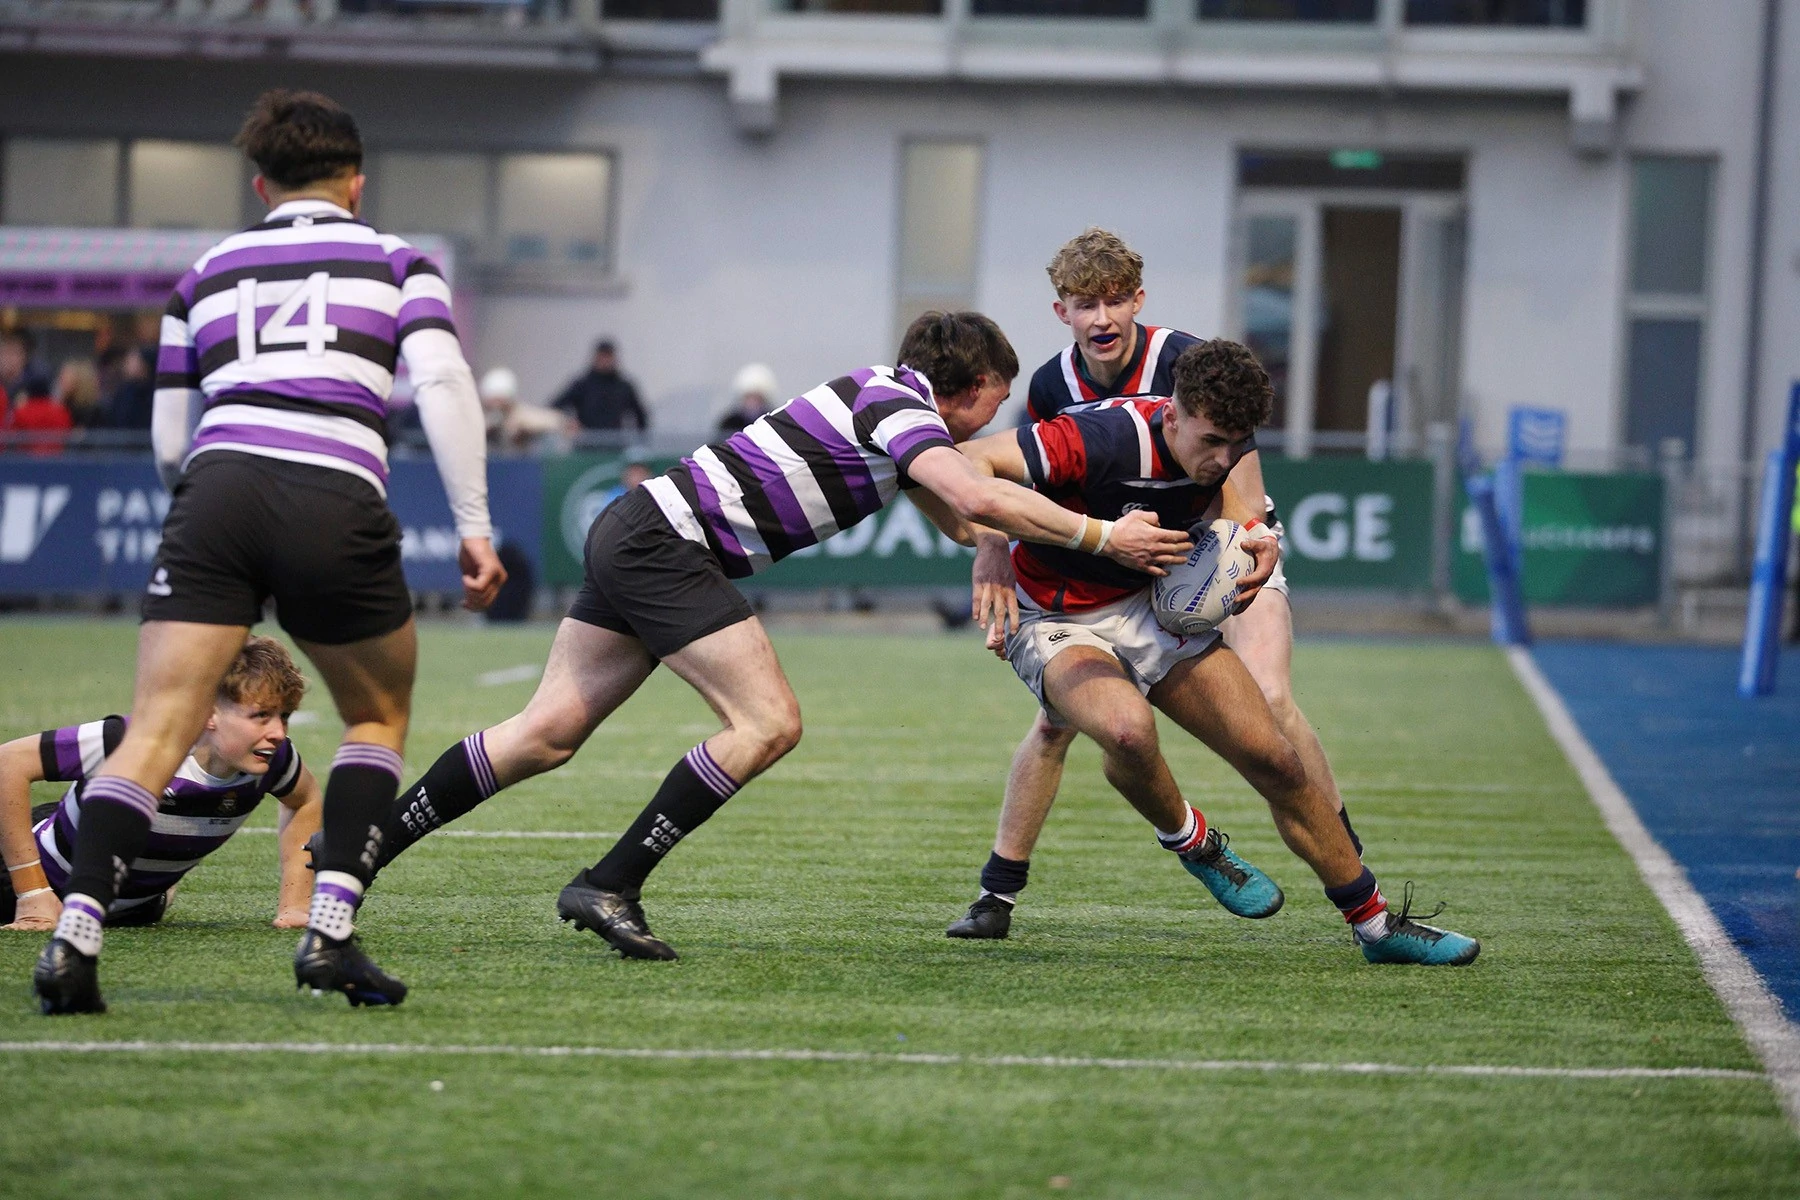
659, 567
285, 337
1087, 643
242, 756
1099, 284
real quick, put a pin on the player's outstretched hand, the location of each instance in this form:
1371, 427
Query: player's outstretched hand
995, 604
1140, 542
1266, 553
37, 913
482, 573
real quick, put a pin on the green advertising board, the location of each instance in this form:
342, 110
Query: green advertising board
1589, 540
1352, 523
894, 548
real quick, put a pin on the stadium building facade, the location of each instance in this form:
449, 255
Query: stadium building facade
1590, 206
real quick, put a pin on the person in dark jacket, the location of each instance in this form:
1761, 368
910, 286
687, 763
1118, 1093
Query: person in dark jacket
603, 398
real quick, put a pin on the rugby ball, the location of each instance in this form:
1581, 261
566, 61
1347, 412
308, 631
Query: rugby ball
1196, 595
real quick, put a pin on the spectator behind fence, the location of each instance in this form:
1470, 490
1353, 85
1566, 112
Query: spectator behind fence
499, 390
131, 401
16, 349
753, 392
78, 390
603, 399
38, 421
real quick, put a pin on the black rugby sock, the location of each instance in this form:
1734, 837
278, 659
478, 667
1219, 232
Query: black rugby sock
693, 791
359, 796
115, 826
456, 784
1005, 877
1344, 816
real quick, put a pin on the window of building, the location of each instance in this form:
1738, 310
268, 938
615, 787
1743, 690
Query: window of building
1103, 9
59, 181
431, 193
1317, 11
888, 8
185, 185
537, 211
1666, 303
940, 228
552, 208
1550, 14
660, 10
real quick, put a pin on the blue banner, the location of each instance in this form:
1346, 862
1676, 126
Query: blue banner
93, 525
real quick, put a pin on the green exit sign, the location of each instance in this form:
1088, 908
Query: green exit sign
1356, 160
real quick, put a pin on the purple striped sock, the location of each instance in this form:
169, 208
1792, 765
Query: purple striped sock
475, 750
115, 789
367, 754
710, 773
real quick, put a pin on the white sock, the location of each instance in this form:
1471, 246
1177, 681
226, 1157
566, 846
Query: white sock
1182, 838
81, 923
1009, 897
335, 897
1373, 929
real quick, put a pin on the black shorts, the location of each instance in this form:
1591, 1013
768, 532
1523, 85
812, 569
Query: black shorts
244, 527
645, 580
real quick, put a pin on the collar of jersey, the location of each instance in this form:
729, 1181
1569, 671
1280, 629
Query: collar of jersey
305, 208
1137, 356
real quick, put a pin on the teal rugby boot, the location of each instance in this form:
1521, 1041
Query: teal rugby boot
1240, 887
1410, 941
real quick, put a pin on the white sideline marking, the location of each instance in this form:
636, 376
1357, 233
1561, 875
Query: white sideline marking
523, 673
861, 1056
550, 834
1747, 998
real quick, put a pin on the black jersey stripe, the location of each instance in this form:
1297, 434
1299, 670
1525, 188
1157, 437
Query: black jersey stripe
684, 483
874, 413
357, 413
337, 268
825, 469
379, 351
756, 502
413, 326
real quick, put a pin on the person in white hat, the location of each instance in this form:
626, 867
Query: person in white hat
753, 393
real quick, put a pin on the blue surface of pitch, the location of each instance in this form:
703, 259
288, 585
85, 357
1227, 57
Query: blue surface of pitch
1714, 777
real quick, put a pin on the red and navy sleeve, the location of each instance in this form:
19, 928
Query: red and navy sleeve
75, 752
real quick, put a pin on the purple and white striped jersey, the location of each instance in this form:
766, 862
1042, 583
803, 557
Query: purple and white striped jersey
197, 814
818, 464
289, 334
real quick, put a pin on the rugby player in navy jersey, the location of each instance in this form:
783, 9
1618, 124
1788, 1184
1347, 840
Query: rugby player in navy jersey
286, 337
1087, 642
1099, 283
659, 567
242, 756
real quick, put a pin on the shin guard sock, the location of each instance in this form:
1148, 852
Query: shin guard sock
335, 898
1344, 816
689, 794
1004, 878
1189, 837
80, 923
359, 796
1363, 906
457, 782
115, 824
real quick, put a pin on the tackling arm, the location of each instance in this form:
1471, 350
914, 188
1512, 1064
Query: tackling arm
301, 810
21, 766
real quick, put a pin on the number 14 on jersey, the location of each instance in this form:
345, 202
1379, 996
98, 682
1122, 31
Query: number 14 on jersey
279, 329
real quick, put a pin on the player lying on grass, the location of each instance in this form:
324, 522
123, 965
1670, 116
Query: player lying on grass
243, 755
659, 568
1088, 645
1099, 283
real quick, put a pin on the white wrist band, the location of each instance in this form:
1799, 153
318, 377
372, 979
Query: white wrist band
24, 866
1105, 535
32, 892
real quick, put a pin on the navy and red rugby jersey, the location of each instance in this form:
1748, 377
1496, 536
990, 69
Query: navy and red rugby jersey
1105, 460
1064, 381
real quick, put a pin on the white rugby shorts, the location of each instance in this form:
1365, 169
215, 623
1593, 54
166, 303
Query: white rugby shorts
1126, 629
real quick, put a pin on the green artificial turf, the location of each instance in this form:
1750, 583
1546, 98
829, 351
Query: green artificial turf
810, 916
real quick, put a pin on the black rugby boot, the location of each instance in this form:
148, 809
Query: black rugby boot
66, 981
619, 920
988, 917
325, 965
